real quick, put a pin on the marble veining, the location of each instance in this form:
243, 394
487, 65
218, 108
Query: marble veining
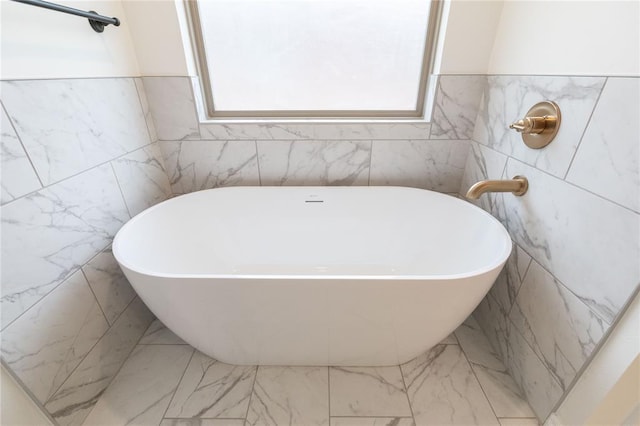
80, 392
290, 395
492, 318
211, 388
142, 390
368, 391
48, 342
427, 164
173, 107
18, 176
197, 165
202, 422
610, 145
68, 126
562, 330
142, 178
111, 288
456, 106
50, 233
506, 399
508, 98
443, 389
551, 221
314, 162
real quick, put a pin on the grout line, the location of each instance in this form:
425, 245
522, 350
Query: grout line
173, 395
144, 116
80, 173
473, 371
329, 391
96, 298
124, 200
370, 162
253, 385
255, 142
584, 131
26, 153
406, 392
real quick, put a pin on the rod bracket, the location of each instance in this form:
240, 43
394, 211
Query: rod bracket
99, 26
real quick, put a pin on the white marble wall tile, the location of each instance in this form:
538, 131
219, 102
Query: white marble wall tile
508, 283
146, 110
46, 343
607, 160
212, 389
142, 390
197, 165
561, 329
539, 385
493, 320
74, 400
109, 285
368, 391
50, 233
314, 162
159, 334
18, 176
372, 421
315, 131
172, 107
202, 422
290, 395
443, 389
508, 98
68, 126
506, 399
456, 106
482, 163
590, 244
428, 164
142, 178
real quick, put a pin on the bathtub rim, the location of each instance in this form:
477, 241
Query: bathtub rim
407, 277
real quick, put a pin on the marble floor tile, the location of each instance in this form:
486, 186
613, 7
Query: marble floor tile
504, 395
202, 422
372, 421
444, 391
368, 391
159, 334
142, 390
77, 396
290, 395
211, 388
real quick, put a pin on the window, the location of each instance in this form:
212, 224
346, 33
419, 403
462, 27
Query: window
314, 58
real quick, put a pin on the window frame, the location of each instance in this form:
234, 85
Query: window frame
428, 62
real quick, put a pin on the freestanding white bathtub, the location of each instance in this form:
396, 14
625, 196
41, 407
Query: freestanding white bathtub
312, 275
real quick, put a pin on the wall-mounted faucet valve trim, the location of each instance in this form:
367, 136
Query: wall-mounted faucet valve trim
540, 125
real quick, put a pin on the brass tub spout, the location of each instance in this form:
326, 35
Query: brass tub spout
518, 185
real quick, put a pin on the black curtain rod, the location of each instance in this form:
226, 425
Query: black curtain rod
97, 22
